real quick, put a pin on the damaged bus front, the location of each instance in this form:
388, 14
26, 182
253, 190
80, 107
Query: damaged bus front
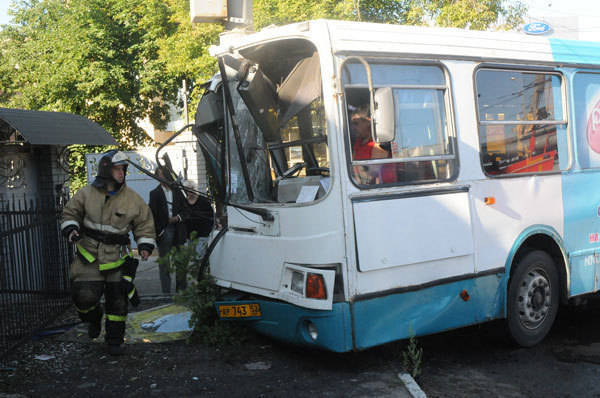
264, 130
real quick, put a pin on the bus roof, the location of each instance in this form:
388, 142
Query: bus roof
429, 42
460, 43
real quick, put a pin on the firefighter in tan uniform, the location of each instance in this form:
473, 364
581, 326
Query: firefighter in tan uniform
99, 218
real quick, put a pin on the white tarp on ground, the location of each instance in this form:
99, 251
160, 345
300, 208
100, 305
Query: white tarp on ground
154, 325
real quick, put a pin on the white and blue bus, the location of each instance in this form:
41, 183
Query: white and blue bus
471, 191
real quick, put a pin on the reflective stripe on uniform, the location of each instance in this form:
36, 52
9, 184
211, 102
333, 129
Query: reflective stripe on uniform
150, 241
104, 227
92, 308
67, 223
86, 254
128, 278
116, 318
103, 267
131, 293
113, 265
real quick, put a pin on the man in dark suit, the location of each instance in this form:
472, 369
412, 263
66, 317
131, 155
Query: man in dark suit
165, 205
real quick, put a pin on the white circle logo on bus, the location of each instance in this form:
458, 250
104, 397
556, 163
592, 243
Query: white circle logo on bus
593, 128
537, 28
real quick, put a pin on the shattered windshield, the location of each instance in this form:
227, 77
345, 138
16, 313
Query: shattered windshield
281, 127
257, 159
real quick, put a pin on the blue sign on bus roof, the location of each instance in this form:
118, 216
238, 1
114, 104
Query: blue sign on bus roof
536, 28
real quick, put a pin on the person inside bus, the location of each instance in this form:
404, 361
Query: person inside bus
364, 148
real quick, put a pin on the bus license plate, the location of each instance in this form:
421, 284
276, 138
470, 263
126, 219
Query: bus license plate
239, 311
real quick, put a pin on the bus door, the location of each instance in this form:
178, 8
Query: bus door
523, 147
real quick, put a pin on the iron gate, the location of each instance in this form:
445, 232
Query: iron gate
34, 264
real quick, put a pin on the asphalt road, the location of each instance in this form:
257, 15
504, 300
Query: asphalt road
469, 362
480, 361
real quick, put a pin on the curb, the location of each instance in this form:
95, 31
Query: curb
411, 385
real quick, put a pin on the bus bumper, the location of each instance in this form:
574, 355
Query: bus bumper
325, 329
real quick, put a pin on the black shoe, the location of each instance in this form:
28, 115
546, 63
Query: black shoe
95, 326
115, 350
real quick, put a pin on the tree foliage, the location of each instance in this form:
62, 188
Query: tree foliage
118, 62
114, 61
470, 14
475, 14
184, 52
96, 58
280, 12
385, 11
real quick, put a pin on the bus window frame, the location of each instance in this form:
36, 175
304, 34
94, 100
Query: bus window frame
451, 132
243, 52
565, 105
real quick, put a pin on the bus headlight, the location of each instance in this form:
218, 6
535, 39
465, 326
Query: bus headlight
297, 284
302, 285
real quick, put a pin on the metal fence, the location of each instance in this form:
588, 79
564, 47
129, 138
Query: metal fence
34, 264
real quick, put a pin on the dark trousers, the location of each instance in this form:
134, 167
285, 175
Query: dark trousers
86, 296
165, 243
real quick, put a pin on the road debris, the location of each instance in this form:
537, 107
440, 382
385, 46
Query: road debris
44, 357
258, 366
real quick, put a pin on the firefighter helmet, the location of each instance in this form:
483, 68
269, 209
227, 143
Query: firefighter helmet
107, 161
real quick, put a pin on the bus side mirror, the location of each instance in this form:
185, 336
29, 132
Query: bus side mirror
384, 115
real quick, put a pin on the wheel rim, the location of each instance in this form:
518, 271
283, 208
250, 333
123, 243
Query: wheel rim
534, 299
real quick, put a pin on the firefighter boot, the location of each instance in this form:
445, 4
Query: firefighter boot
116, 315
95, 325
115, 350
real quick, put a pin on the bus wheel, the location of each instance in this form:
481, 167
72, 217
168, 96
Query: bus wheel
532, 298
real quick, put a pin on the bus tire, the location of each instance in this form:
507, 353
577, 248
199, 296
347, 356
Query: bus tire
533, 298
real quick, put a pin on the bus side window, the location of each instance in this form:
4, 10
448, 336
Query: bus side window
520, 114
421, 150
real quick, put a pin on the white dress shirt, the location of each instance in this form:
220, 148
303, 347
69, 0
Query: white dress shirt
169, 197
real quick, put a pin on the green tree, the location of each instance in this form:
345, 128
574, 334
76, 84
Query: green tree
475, 14
121, 61
184, 51
385, 11
280, 12
471, 14
114, 61
96, 58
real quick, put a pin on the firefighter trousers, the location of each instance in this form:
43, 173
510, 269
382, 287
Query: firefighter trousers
86, 296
